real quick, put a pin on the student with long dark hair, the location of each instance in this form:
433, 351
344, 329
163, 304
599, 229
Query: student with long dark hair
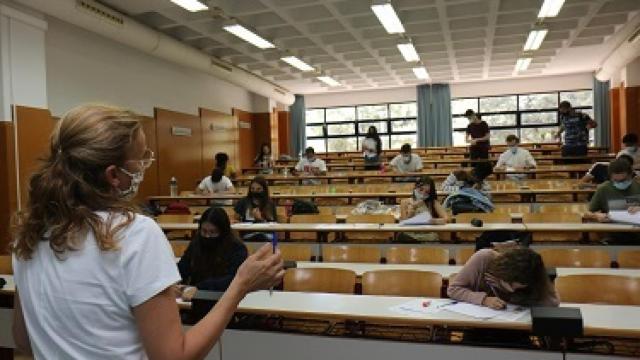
264, 159
94, 278
424, 199
214, 255
257, 206
493, 279
372, 149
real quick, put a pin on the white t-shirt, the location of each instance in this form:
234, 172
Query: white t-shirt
634, 154
522, 158
209, 186
307, 167
415, 164
81, 307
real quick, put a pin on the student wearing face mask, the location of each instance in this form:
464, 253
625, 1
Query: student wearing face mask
617, 192
310, 164
515, 158
88, 267
493, 279
406, 162
424, 199
630, 142
213, 256
257, 206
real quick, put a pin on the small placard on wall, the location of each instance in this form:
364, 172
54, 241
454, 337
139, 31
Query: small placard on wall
180, 131
245, 124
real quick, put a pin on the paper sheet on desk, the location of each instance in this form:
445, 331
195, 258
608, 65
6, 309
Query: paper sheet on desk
511, 313
623, 216
424, 218
417, 307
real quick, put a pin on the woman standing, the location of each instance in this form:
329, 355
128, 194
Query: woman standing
372, 149
87, 266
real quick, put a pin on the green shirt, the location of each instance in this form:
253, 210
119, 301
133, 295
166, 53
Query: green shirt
607, 192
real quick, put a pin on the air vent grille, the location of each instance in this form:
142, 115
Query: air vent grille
100, 12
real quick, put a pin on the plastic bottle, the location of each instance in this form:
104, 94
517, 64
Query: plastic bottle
173, 186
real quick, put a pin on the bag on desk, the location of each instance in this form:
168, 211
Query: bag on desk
301, 207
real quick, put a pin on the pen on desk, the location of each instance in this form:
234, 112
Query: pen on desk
274, 245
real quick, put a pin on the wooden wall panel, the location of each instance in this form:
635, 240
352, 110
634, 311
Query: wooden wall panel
150, 185
8, 195
614, 100
283, 132
275, 135
219, 134
632, 110
246, 138
262, 129
33, 128
179, 156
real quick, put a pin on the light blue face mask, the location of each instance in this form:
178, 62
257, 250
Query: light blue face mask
622, 185
514, 149
419, 195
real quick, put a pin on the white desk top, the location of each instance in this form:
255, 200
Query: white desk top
10, 286
599, 320
447, 270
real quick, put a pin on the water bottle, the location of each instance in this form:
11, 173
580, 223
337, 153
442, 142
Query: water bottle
173, 186
285, 172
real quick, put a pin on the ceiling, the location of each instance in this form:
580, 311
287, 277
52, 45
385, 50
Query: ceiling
458, 40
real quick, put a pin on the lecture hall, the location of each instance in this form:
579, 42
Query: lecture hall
320, 179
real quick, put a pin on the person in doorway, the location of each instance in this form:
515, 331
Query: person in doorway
477, 136
264, 159
372, 149
94, 278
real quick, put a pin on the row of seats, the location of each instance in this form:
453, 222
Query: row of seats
611, 289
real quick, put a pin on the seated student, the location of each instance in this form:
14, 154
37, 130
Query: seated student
477, 177
264, 160
406, 162
618, 193
213, 256
515, 158
630, 142
493, 279
257, 206
222, 162
309, 164
424, 199
599, 172
216, 183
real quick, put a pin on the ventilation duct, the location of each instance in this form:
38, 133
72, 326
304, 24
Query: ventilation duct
97, 18
624, 54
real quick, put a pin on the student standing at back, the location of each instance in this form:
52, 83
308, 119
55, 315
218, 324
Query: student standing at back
264, 159
477, 136
575, 126
372, 149
222, 162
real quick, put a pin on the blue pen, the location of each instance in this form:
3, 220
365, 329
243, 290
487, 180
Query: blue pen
274, 246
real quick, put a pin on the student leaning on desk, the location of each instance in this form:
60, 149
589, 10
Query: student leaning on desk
93, 277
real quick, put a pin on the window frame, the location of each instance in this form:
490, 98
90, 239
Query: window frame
357, 121
518, 112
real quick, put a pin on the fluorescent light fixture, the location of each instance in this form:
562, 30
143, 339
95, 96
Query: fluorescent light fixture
191, 5
388, 17
408, 52
522, 64
297, 63
550, 8
421, 72
248, 36
535, 39
328, 80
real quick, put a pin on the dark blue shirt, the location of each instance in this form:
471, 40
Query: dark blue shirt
576, 132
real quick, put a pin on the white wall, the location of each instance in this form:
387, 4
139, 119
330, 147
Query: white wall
480, 88
85, 67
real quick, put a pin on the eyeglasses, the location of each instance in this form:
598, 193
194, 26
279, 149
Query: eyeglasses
148, 157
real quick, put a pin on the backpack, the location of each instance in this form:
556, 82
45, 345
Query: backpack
301, 207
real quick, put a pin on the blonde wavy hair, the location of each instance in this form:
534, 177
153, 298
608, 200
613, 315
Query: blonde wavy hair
70, 187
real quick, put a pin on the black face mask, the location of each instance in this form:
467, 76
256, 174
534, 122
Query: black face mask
210, 242
257, 195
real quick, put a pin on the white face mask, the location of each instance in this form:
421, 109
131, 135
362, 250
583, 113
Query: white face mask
514, 149
406, 158
419, 195
132, 190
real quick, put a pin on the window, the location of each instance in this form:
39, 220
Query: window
532, 117
344, 128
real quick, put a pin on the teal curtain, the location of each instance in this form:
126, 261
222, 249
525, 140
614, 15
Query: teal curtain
297, 126
601, 112
434, 115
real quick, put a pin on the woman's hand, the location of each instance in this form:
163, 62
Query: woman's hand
601, 217
262, 270
188, 292
494, 303
257, 214
634, 209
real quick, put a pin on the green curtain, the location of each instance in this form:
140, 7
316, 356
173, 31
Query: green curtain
601, 112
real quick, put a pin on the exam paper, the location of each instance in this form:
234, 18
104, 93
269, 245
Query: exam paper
623, 216
511, 313
417, 307
424, 218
